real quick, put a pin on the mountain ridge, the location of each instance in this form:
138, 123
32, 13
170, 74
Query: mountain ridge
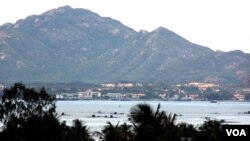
66, 44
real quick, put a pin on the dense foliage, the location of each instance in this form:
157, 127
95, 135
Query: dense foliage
30, 115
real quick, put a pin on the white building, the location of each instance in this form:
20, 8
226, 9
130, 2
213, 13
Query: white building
138, 85
68, 96
108, 85
115, 95
97, 94
138, 96
128, 85
85, 95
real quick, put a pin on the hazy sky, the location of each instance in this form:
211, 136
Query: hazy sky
219, 24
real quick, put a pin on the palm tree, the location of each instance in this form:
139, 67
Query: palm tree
211, 130
117, 133
126, 132
78, 132
150, 125
170, 130
143, 119
187, 131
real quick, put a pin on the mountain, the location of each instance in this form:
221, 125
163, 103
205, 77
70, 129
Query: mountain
66, 44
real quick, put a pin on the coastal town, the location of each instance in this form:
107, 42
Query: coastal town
193, 91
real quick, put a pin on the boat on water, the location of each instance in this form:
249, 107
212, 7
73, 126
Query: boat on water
185, 98
213, 101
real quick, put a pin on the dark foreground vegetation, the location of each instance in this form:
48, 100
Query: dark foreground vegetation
30, 115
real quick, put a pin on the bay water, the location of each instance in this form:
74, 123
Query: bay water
95, 114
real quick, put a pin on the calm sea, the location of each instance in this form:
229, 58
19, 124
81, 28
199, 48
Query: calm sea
95, 114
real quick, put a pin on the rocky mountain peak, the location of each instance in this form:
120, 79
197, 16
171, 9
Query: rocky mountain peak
62, 9
161, 29
68, 44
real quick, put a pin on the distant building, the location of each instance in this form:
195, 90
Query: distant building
138, 96
239, 97
138, 85
202, 86
247, 90
97, 94
125, 85
108, 85
85, 95
162, 96
194, 96
115, 95
175, 97
59, 96
68, 96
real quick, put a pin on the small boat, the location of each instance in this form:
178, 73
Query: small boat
248, 112
213, 101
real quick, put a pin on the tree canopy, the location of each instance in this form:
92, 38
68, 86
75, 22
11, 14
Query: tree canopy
30, 115
20, 103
